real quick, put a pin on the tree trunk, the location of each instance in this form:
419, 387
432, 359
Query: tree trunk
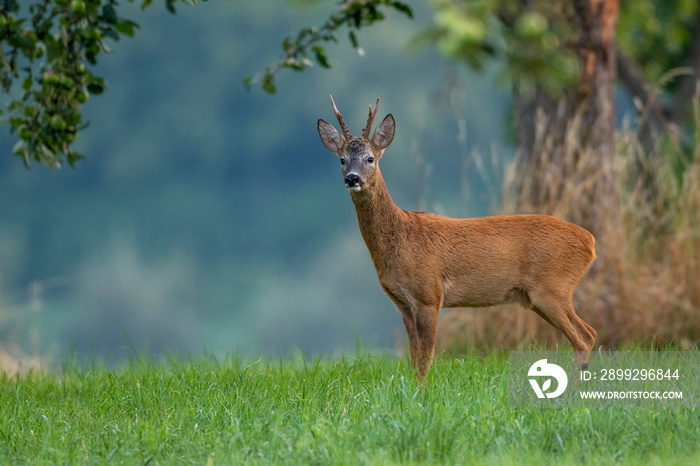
566, 152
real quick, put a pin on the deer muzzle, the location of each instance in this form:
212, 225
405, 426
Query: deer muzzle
353, 182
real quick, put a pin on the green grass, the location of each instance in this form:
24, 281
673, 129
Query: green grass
348, 410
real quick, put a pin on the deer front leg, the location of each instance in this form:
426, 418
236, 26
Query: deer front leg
412, 332
421, 327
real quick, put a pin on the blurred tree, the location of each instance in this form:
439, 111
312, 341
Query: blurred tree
47, 47
658, 62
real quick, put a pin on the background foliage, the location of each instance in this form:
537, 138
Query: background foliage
51, 47
203, 214
206, 215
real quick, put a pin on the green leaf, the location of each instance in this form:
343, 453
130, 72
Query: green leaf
54, 49
96, 88
357, 18
73, 157
145, 4
353, 40
402, 7
109, 14
27, 83
111, 33
248, 83
268, 84
321, 58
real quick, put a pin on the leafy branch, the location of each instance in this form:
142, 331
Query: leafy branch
301, 51
47, 50
535, 46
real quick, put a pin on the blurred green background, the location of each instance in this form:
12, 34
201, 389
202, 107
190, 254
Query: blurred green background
208, 217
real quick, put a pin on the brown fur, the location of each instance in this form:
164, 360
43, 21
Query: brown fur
425, 261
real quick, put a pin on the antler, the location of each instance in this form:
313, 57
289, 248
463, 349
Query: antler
370, 119
343, 126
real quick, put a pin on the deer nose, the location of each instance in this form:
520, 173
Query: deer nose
353, 180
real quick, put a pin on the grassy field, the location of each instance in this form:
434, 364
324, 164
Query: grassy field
347, 410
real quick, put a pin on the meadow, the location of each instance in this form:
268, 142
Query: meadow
353, 409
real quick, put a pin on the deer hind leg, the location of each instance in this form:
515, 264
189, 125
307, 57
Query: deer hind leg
557, 309
421, 327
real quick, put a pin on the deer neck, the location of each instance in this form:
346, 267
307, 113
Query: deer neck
381, 221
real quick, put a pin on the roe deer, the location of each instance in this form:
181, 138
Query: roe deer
426, 262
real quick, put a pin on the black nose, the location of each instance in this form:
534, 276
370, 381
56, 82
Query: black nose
353, 180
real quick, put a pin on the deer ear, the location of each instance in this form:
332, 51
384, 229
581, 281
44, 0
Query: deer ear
330, 136
384, 133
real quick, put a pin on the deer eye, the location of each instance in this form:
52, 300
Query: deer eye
342, 161
370, 159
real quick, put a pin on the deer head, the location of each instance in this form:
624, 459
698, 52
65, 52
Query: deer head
358, 156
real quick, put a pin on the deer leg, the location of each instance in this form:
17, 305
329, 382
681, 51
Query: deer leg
413, 342
421, 327
544, 316
590, 335
559, 312
426, 324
